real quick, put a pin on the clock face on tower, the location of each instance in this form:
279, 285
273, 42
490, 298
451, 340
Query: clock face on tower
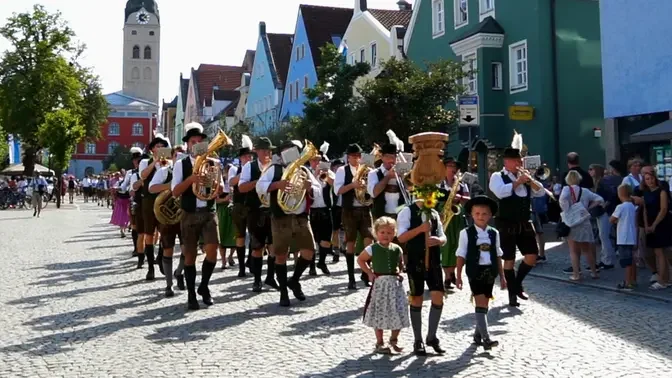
142, 17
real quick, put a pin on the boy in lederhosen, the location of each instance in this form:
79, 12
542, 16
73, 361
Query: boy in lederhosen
412, 225
198, 220
289, 227
356, 216
258, 215
148, 168
480, 252
161, 182
239, 210
320, 211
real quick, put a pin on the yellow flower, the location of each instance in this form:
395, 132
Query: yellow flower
430, 203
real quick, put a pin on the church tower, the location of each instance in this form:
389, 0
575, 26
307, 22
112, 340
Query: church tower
142, 47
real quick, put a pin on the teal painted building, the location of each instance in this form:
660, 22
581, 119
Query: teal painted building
538, 71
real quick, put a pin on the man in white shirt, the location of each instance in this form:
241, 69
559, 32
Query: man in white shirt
198, 219
320, 209
383, 187
239, 210
132, 184
289, 226
86, 188
514, 191
258, 214
338, 248
356, 216
39, 186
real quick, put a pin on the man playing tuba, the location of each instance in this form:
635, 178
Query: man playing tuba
160, 183
198, 220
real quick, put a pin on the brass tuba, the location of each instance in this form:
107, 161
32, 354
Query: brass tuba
206, 189
296, 174
263, 197
167, 208
362, 176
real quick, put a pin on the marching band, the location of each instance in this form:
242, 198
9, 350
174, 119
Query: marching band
293, 198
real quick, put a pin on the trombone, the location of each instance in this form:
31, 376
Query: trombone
402, 185
536, 185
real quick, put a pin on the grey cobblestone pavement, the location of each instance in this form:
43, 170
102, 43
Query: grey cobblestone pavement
74, 306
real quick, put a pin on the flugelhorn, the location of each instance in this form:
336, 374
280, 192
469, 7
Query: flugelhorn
211, 173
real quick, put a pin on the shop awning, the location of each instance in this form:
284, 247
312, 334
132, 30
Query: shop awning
657, 133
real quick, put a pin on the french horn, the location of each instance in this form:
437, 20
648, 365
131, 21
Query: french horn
167, 208
297, 175
211, 174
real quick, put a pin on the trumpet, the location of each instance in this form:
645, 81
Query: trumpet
536, 185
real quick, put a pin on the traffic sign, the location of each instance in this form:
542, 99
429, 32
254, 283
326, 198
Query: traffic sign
470, 114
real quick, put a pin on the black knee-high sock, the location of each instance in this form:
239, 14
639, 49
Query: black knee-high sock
523, 270
300, 267
350, 261
270, 268
482, 322
206, 272
281, 273
190, 277
168, 268
416, 322
240, 254
149, 254
323, 254
180, 266
433, 323
256, 264
510, 276
134, 236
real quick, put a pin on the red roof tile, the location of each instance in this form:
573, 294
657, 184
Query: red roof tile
281, 52
322, 24
210, 75
390, 18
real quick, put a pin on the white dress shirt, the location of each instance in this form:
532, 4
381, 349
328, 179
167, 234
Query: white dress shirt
266, 180
124, 186
339, 182
135, 177
318, 197
233, 172
160, 176
246, 173
482, 237
177, 179
86, 182
502, 190
391, 199
404, 223
143, 164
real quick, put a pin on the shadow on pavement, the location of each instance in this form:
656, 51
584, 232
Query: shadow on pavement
40, 300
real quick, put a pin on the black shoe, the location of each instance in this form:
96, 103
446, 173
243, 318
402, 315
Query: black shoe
447, 285
598, 267
569, 270
205, 296
35, 212
135, 254
169, 292
435, 345
489, 344
336, 258
478, 340
256, 287
270, 281
522, 294
419, 348
192, 302
284, 300
223, 265
541, 259
323, 268
606, 267
141, 260
513, 302
365, 279
242, 274
295, 287
180, 281
150, 275
312, 271
352, 285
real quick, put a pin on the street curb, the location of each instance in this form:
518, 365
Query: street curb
600, 287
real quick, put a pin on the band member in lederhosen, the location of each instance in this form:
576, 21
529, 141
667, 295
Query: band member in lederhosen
198, 220
289, 227
356, 217
412, 226
259, 215
336, 214
383, 186
161, 182
320, 211
148, 168
239, 210
514, 222
457, 223
137, 223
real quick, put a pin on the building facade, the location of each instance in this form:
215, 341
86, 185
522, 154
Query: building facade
537, 70
131, 123
267, 80
142, 48
168, 115
315, 27
203, 81
637, 80
179, 111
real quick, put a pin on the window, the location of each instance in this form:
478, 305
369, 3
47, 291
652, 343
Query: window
139, 145
306, 81
303, 51
113, 129
374, 54
137, 129
151, 33
351, 59
268, 103
362, 55
298, 53
438, 18
487, 6
135, 73
296, 90
461, 13
136, 52
90, 148
497, 76
148, 52
112, 147
291, 92
134, 32
518, 66
147, 73
470, 65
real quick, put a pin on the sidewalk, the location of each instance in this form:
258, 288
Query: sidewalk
557, 255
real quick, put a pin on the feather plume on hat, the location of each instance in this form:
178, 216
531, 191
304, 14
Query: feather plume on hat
324, 148
246, 142
166, 140
298, 143
193, 125
136, 150
395, 140
517, 142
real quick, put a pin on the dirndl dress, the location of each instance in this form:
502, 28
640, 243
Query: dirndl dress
227, 235
448, 257
120, 212
388, 306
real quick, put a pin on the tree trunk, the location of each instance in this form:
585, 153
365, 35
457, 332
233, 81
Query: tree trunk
59, 181
29, 161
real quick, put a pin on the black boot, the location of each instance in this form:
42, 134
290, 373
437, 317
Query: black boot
511, 287
134, 236
312, 271
322, 265
256, 264
293, 283
206, 272
281, 273
190, 277
141, 260
270, 273
350, 261
336, 256
159, 259
240, 254
149, 252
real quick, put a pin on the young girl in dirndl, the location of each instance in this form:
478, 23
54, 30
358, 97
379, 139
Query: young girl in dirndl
386, 306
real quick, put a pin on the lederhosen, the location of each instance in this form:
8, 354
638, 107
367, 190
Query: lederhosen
514, 223
136, 205
336, 211
148, 202
415, 250
350, 211
452, 230
320, 217
379, 202
289, 229
258, 218
169, 231
239, 210
481, 277
196, 221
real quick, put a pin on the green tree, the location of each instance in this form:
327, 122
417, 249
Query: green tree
410, 100
120, 159
329, 111
112, 168
60, 132
235, 133
40, 74
4, 149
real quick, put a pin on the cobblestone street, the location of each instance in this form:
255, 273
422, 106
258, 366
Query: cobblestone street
73, 305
